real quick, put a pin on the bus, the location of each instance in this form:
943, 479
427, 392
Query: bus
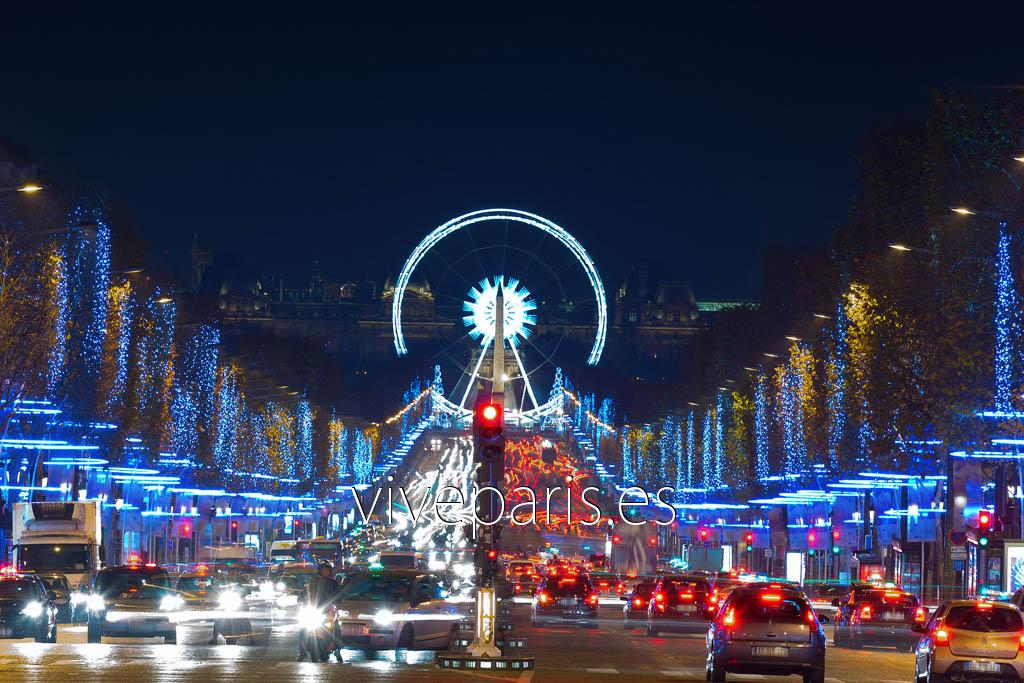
319, 549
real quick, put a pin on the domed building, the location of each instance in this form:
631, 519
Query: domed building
418, 303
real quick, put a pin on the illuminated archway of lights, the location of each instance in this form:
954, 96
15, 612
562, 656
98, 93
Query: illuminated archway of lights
533, 220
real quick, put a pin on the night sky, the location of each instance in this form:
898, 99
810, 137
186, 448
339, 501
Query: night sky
698, 138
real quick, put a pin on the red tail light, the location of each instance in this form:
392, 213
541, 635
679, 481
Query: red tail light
713, 598
865, 612
592, 599
730, 618
940, 637
518, 588
771, 597
1020, 648
811, 619
659, 597
543, 598
920, 615
638, 602
686, 597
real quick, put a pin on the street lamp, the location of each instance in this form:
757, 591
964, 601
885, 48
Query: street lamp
164, 300
900, 247
962, 210
24, 188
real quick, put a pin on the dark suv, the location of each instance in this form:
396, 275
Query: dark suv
766, 631
682, 604
565, 599
27, 609
133, 600
880, 617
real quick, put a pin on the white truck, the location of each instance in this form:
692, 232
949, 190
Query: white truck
58, 537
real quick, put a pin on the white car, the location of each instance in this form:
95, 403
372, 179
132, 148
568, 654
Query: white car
395, 608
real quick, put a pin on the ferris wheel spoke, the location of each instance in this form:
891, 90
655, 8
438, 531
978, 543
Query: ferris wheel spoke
526, 377
476, 371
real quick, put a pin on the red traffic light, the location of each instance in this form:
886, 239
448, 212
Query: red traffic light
836, 534
490, 413
492, 554
704, 534
811, 537
653, 541
616, 539
750, 537
234, 525
984, 518
186, 529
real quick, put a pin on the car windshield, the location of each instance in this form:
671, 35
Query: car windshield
398, 561
18, 589
377, 588
972, 618
54, 558
56, 583
139, 584
567, 587
644, 590
764, 606
196, 583
677, 586
296, 579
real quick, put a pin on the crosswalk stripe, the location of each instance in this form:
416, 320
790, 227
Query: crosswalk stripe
684, 673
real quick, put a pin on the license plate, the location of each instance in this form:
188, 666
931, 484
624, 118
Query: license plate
893, 616
351, 629
567, 602
686, 609
771, 651
985, 667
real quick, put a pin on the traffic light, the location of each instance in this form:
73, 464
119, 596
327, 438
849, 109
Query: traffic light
984, 527
704, 533
489, 564
835, 541
653, 541
616, 539
750, 541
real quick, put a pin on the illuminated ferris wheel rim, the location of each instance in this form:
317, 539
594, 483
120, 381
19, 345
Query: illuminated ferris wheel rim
539, 222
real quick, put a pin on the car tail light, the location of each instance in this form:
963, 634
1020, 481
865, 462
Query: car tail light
638, 602
771, 597
621, 588
940, 637
518, 588
984, 605
592, 599
659, 597
686, 597
543, 598
730, 618
713, 598
920, 615
865, 612
811, 619
1020, 647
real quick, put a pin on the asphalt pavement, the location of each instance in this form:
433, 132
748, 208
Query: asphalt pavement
562, 653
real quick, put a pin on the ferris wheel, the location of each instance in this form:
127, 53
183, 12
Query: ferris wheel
554, 307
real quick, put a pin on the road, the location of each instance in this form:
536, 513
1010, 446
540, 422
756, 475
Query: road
562, 654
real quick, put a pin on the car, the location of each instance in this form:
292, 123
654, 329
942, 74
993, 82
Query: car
526, 585
133, 599
27, 608
518, 569
634, 611
971, 639
607, 583
394, 608
766, 631
565, 599
58, 584
402, 559
681, 604
880, 617
288, 583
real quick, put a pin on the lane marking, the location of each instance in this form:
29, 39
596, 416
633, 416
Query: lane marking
602, 671
684, 673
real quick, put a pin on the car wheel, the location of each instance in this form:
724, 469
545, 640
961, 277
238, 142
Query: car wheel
816, 676
716, 672
43, 633
652, 632
407, 638
95, 633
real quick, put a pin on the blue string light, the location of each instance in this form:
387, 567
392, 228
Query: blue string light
706, 451
761, 469
691, 447
303, 441
719, 449
1005, 306
362, 458
225, 435
836, 396
628, 470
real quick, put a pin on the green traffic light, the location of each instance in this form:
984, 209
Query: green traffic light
811, 552
983, 541
835, 550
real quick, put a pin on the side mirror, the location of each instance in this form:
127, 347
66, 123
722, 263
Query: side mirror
835, 602
918, 627
824, 619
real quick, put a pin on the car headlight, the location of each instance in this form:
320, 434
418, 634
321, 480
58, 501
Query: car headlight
78, 598
311, 617
95, 603
384, 617
230, 601
171, 603
287, 600
33, 609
